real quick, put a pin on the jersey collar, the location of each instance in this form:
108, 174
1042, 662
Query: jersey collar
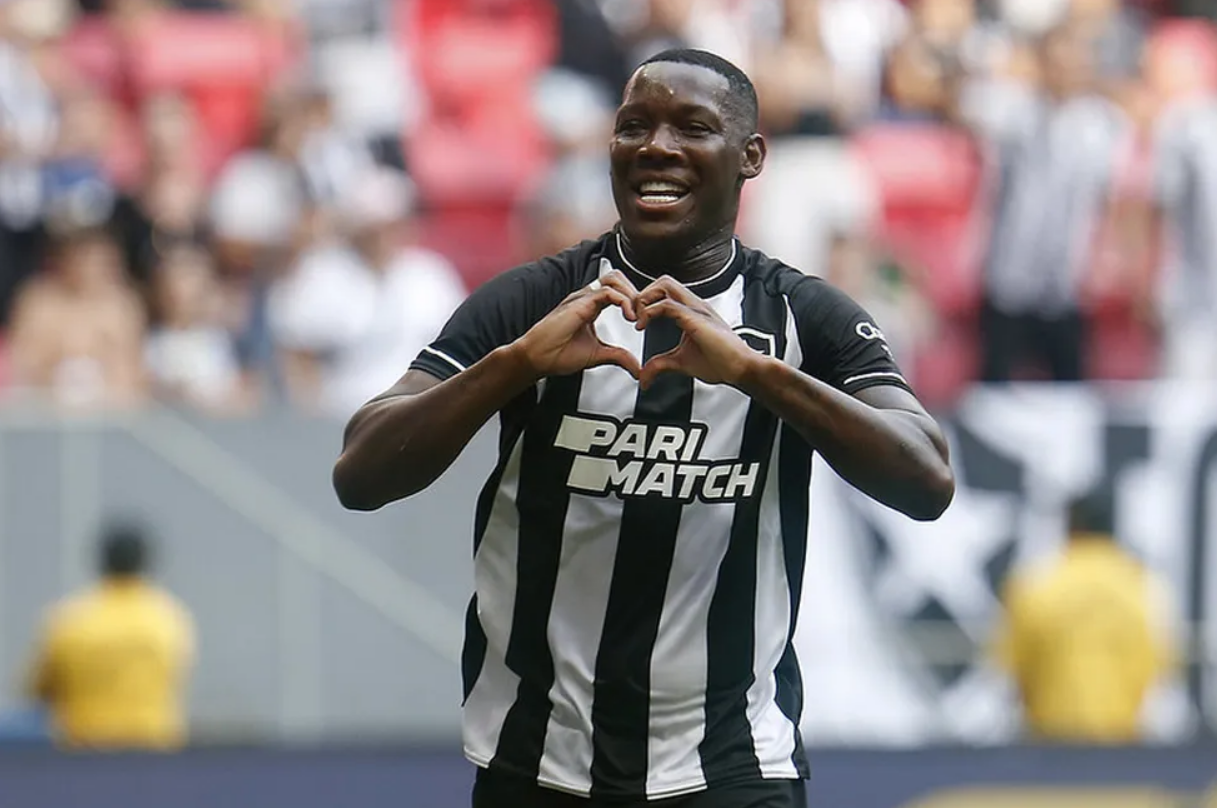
706, 287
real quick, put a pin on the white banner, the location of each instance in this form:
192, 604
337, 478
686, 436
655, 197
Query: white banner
1020, 455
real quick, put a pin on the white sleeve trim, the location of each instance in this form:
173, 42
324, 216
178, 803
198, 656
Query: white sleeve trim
881, 374
459, 367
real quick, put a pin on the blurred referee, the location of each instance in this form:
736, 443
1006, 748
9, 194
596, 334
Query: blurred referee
640, 543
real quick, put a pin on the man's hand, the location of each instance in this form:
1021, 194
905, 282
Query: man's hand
709, 350
565, 341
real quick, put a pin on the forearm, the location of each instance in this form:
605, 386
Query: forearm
399, 444
899, 458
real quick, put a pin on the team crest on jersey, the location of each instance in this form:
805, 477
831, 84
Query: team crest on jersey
758, 341
635, 459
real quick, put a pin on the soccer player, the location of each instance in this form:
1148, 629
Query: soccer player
639, 545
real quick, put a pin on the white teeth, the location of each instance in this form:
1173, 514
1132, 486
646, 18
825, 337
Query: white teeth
665, 188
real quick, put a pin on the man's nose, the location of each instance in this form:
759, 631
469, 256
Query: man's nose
662, 142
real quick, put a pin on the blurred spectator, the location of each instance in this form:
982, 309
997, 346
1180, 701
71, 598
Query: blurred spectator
364, 72
918, 83
589, 47
29, 128
350, 317
1054, 145
854, 36
1180, 71
78, 330
113, 661
78, 190
1086, 638
1116, 31
795, 78
888, 291
651, 26
813, 189
172, 136
167, 209
189, 352
258, 216
574, 201
330, 157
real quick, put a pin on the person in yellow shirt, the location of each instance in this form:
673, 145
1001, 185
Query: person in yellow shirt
1086, 638
113, 662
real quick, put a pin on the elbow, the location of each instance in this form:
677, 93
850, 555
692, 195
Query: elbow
352, 493
935, 496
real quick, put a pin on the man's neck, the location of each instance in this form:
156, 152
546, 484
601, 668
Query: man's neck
686, 264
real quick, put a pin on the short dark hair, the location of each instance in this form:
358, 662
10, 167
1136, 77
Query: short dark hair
741, 92
125, 550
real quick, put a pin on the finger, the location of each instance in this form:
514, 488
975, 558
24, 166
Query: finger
666, 362
614, 355
665, 307
617, 280
607, 296
668, 287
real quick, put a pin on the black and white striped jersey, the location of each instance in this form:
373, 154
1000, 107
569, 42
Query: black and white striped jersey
639, 554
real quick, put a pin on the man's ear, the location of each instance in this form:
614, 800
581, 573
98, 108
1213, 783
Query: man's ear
755, 150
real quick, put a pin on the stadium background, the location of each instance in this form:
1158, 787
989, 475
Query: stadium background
225, 144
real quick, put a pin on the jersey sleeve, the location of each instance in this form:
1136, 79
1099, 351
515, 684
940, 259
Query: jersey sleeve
496, 314
842, 344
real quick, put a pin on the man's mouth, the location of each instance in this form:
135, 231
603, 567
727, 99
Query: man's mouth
658, 193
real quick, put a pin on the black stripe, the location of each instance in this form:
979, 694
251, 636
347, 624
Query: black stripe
727, 752
473, 655
511, 425
646, 545
542, 502
512, 421
790, 701
794, 496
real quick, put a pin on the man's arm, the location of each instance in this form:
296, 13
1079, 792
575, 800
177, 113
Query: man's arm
402, 441
880, 439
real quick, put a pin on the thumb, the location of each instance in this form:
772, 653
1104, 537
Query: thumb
662, 363
615, 355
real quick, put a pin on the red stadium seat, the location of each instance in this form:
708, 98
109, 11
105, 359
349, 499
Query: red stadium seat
455, 164
221, 62
478, 146
467, 52
480, 240
1181, 57
929, 181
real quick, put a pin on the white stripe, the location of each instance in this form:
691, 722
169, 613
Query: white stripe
879, 374
773, 733
794, 348
678, 664
494, 573
581, 594
459, 367
715, 276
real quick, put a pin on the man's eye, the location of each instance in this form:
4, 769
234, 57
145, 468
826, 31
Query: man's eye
698, 129
630, 128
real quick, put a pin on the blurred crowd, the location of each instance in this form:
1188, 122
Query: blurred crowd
230, 204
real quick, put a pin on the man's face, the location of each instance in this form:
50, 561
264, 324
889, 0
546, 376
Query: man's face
677, 156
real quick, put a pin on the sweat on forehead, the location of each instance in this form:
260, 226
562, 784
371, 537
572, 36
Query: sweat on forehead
685, 85
738, 92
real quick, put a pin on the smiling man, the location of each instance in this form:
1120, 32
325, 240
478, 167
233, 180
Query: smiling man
640, 543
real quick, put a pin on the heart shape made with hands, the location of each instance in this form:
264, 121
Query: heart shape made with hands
709, 349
